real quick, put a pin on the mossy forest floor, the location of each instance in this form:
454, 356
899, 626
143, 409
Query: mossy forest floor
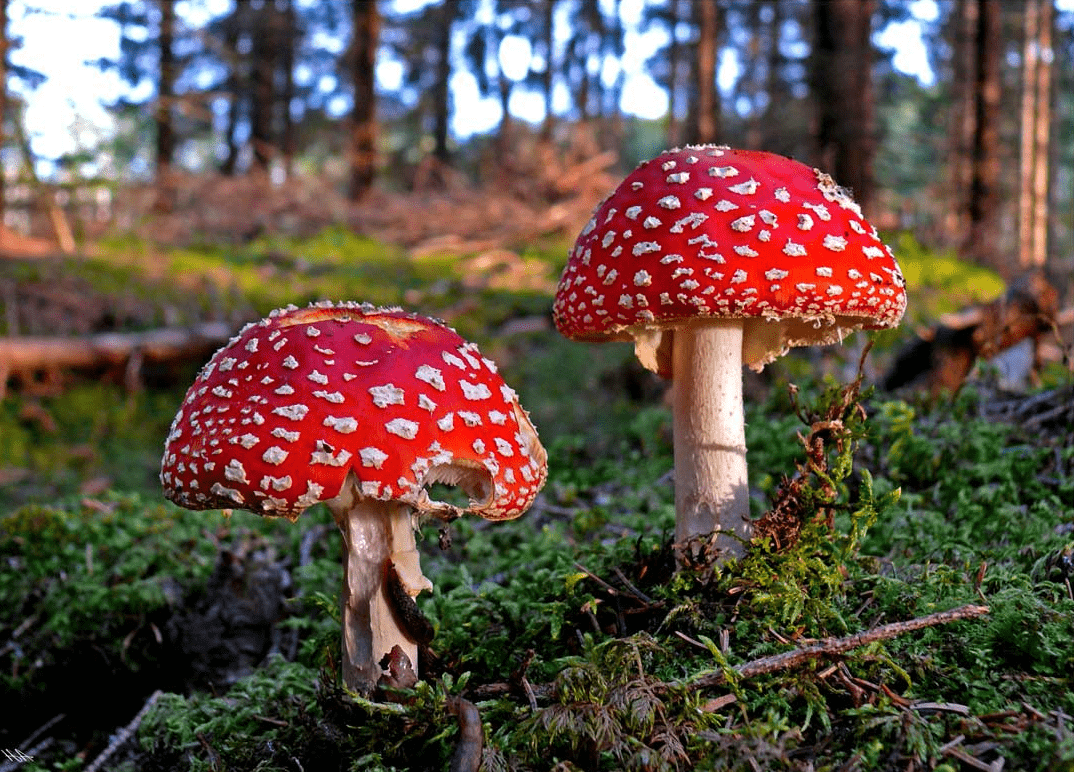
138, 636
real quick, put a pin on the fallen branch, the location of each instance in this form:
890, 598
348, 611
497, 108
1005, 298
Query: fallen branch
828, 647
26, 355
125, 733
17, 756
941, 358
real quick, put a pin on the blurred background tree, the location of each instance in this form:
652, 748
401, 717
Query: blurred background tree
974, 154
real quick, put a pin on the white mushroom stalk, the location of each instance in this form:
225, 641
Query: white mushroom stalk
375, 534
709, 259
361, 408
711, 487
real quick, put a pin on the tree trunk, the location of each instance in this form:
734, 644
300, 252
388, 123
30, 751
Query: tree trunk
234, 26
675, 51
1035, 134
65, 237
982, 242
778, 92
289, 42
751, 84
3, 94
363, 128
706, 124
548, 30
505, 129
441, 90
955, 224
22, 358
611, 112
264, 52
166, 139
842, 88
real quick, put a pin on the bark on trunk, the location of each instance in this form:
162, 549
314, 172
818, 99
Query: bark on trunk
3, 93
1035, 134
955, 224
548, 30
982, 244
166, 139
363, 128
675, 56
24, 357
843, 92
289, 28
264, 52
706, 126
441, 92
236, 86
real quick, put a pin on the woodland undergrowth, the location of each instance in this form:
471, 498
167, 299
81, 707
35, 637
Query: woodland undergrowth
590, 652
852, 636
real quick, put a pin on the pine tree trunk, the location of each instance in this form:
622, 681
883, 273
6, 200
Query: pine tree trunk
363, 128
548, 29
4, 43
1035, 134
675, 56
610, 110
706, 126
264, 87
287, 66
166, 139
441, 90
955, 224
843, 93
982, 243
506, 127
236, 86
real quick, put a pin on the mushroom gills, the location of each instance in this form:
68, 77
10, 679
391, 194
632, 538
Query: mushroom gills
472, 481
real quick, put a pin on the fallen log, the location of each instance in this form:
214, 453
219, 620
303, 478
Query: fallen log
28, 358
940, 358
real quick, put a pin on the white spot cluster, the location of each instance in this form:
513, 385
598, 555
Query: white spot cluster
754, 235
281, 415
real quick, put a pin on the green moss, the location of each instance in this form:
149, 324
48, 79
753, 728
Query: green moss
916, 508
88, 432
939, 282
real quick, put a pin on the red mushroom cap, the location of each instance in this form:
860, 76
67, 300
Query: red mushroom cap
711, 232
288, 409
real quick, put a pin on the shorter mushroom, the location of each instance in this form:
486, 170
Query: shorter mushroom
361, 408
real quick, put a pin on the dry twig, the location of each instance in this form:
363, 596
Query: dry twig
830, 647
125, 733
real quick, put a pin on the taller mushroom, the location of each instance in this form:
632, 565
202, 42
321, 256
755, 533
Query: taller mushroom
709, 258
360, 408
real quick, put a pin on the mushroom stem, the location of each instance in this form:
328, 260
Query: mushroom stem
711, 490
373, 532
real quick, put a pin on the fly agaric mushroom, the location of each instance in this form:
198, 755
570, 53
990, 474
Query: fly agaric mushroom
709, 258
360, 408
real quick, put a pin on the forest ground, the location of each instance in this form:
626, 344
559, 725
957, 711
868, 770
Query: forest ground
215, 638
